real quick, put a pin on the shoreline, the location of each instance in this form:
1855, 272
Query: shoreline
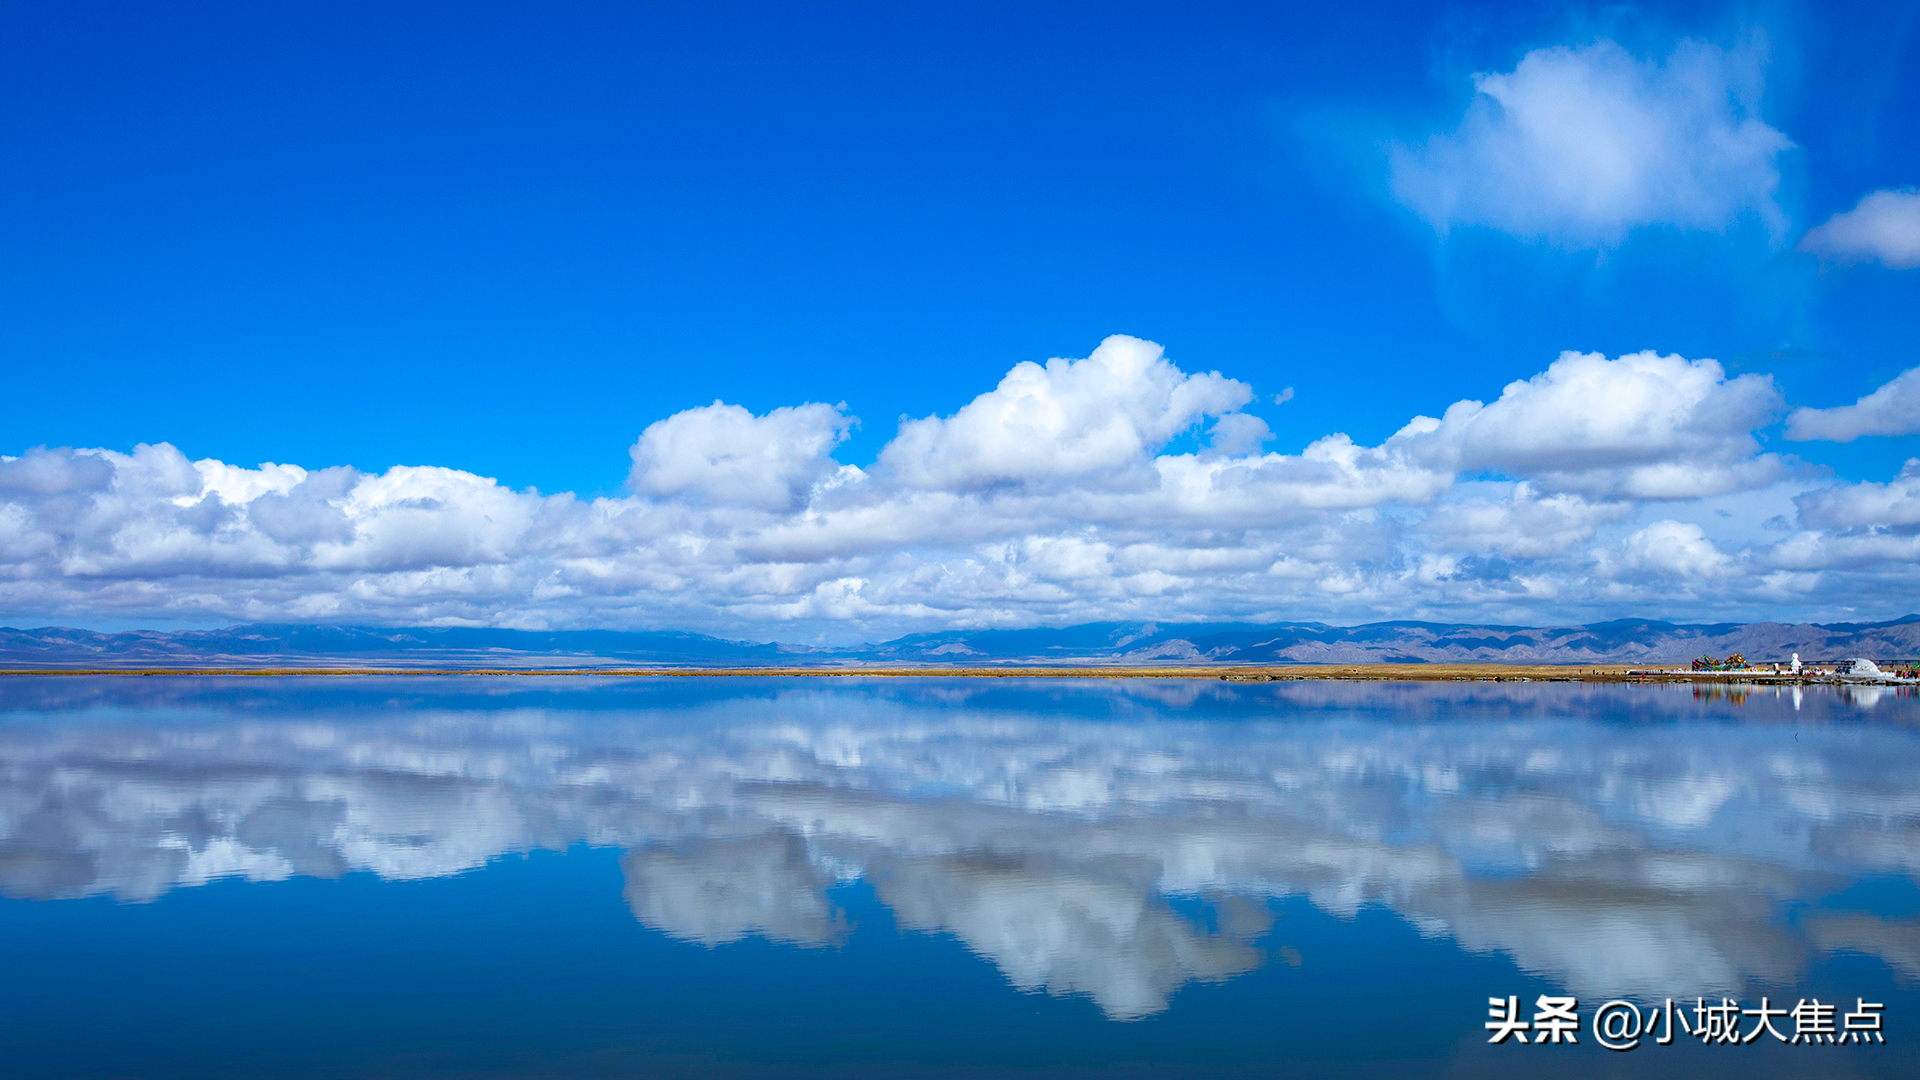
1441, 672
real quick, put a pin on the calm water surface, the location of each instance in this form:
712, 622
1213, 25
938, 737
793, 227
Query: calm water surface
807, 877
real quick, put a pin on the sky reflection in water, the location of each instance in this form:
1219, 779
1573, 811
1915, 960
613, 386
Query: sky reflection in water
1112, 841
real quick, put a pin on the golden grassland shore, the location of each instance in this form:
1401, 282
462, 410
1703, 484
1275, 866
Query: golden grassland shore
1434, 672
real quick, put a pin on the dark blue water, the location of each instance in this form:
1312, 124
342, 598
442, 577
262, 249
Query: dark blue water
922, 877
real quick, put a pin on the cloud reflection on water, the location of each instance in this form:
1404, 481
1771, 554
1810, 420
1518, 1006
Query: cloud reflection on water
1621, 840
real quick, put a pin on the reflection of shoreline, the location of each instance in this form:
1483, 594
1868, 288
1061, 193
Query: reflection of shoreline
1636, 852
1087, 698
1599, 674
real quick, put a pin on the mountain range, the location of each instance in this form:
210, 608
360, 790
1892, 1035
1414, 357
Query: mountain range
1090, 644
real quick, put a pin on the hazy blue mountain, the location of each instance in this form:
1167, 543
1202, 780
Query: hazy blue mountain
353, 646
1624, 641
1620, 641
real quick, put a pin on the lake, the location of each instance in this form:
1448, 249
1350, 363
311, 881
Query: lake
863, 877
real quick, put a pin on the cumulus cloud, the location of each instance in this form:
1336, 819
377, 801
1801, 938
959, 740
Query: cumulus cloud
1642, 426
1866, 505
1894, 409
724, 455
1579, 145
1884, 226
1068, 493
1674, 549
310, 511
43, 473
1070, 418
1525, 524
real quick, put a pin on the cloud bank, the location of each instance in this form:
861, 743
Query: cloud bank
1055, 497
1581, 145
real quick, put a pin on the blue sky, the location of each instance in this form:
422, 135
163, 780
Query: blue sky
503, 241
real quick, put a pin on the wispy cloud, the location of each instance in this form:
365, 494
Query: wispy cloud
1883, 227
1581, 145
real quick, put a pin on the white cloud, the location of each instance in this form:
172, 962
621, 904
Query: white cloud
1054, 499
43, 472
1674, 549
1884, 226
723, 455
1071, 418
1865, 505
1894, 409
1643, 426
1237, 434
1582, 144
1525, 525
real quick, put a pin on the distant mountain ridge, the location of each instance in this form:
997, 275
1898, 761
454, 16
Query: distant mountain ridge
267, 644
1619, 641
